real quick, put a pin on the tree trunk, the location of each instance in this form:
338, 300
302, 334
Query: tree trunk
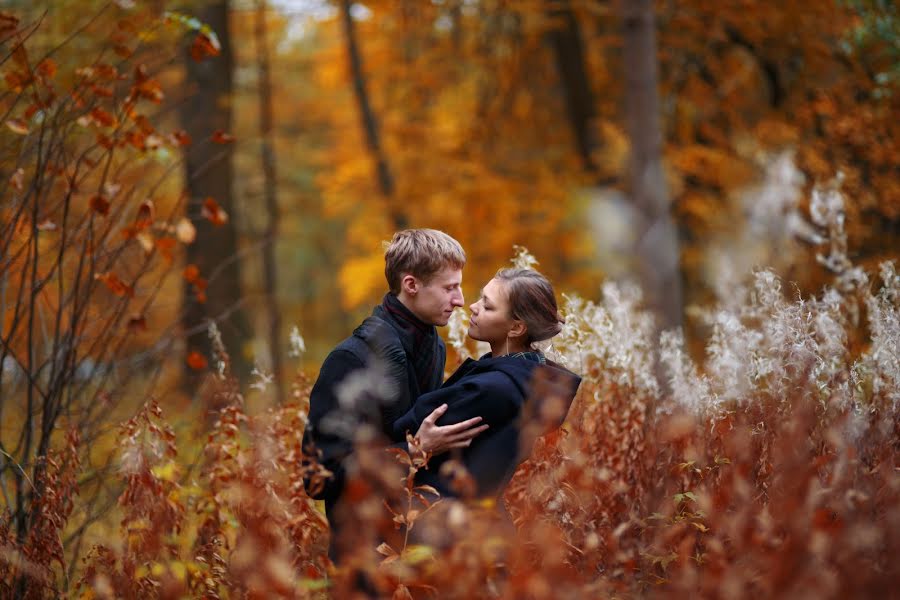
657, 248
367, 117
568, 49
207, 109
270, 176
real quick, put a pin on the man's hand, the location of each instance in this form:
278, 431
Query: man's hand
437, 439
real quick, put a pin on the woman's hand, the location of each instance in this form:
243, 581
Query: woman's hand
437, 439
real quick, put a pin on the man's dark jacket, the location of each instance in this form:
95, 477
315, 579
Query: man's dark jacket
502, 392
407, 353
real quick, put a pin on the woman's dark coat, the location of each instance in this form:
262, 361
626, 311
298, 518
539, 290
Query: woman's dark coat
497, 390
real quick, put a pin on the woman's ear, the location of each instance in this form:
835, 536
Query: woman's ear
519, 329
409, 284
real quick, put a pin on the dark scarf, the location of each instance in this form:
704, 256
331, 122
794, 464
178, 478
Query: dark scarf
420, 341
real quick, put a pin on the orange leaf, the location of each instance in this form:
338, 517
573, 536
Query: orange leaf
165, 244
100, 205
200, 296
17, 126
151, 90
180, 138
211, 211
204, 46
115, 285
197, 361
191, 273
105, 141
220, 137
144, 217
143, 124
17, 81
103, 117
47, 68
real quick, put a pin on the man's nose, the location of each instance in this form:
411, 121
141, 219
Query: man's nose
458, 300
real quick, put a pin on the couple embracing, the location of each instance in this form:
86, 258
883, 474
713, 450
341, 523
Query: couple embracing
476, 415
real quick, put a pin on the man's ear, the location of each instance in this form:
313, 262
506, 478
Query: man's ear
519, 329
409, 284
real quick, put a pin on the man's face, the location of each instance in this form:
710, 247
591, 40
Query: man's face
434, 302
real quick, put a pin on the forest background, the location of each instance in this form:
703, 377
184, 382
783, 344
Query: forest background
243, 162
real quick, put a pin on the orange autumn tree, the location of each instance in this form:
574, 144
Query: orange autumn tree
90, 224
470, 105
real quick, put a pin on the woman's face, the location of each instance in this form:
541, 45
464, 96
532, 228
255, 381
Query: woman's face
490, 320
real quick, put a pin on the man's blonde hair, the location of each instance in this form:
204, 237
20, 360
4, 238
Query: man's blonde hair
421, 253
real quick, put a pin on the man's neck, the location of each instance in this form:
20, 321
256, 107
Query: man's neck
406, 302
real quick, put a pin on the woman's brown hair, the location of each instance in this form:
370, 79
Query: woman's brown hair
531, 300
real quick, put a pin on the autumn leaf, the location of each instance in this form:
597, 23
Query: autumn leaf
204, 46
220, 137
144, 216
100, 205
47, 68
213, 212
180, 138
115, 285
17, 125
103, 117
389, 553
196, 361
191, 273
166, 245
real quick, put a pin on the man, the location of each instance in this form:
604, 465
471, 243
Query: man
373, 377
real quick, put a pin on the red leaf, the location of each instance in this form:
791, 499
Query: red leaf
180, 138
47, 68
103, 117
115, 285
144, 217
191, 273
100, 205
204, 46
220, 137
196, 361
213, 213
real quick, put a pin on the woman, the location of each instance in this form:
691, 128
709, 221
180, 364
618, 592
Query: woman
517, 309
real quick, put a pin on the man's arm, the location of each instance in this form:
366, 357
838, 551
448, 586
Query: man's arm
328, 448
438, 439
